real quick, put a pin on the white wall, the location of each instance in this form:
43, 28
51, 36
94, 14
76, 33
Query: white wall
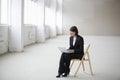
93, 17
3, 39
29, 34
47, 32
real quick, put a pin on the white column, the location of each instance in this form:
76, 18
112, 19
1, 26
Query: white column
51, 17
41, 21
16, 22
59, 16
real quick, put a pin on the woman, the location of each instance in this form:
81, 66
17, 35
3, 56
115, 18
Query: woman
76, 52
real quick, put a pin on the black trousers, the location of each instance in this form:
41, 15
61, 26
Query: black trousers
65, 61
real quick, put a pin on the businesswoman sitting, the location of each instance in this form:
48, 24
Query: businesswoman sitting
76, 52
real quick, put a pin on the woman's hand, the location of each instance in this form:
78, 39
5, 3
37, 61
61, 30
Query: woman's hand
71, 50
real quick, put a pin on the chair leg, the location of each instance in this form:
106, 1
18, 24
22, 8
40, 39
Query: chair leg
90, 68
90, 65
83, 66
77, 69
71, 64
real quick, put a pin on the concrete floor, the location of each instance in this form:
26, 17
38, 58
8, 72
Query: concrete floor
40, 61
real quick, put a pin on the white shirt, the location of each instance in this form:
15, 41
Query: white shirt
74, 40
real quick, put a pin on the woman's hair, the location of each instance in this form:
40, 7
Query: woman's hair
74, 29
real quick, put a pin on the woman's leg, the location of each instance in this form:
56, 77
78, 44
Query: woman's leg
68, 59
67, 63
61, 64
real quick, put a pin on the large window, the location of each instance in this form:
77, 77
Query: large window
4, 12
48, 17
31, 12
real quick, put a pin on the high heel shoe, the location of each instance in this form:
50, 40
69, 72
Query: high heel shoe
65, 75
58, 76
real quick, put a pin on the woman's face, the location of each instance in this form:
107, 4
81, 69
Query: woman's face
72, 33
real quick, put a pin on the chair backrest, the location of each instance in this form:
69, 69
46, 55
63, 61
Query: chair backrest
86, 48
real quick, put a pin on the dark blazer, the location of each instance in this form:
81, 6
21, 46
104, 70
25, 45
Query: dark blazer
79, 44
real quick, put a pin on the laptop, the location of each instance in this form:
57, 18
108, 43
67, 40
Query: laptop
63, 49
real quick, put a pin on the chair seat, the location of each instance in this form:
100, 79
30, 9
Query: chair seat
80, 60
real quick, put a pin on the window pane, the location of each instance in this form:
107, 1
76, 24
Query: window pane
4, 11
